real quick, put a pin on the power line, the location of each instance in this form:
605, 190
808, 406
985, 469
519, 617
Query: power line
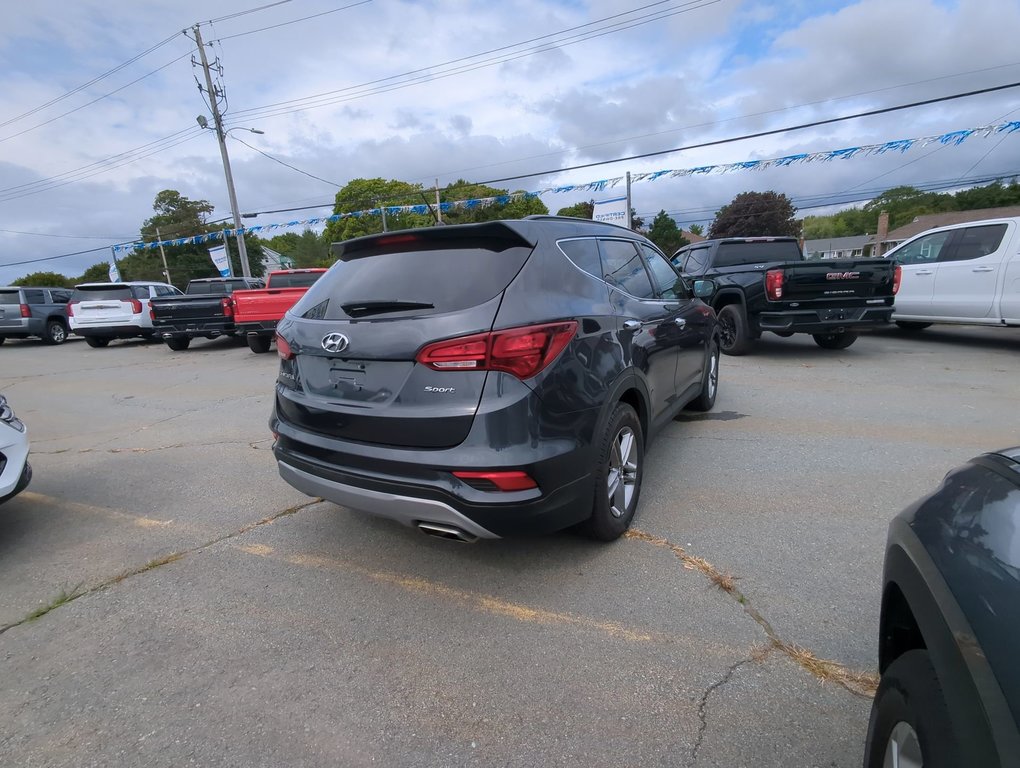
93, 81
69, 237
281, 162
286, 23
98, 98
250, 10
330, 97
760, 134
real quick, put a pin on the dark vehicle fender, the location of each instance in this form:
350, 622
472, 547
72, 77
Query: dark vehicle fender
724, 296
629, 388
949, 640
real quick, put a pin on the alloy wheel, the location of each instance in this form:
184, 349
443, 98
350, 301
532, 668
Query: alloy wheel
621, 482
903, 750
713, 373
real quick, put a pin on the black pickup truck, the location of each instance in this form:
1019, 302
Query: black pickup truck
765, 284
206, 309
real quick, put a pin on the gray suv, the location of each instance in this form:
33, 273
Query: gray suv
33, 311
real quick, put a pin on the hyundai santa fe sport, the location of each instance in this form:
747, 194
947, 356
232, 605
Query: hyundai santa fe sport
486, 380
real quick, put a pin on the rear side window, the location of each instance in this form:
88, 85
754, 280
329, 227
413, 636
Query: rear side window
426, 276
758, 252
34, 296
584, 254
10, 297
923, 250
102, 293
624, 268
696, 262
298, 280
975, 242
140, 291
61, 296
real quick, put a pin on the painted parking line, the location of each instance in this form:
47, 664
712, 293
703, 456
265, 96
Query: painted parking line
78, 507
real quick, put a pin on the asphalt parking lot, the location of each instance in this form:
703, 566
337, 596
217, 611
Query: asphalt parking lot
203, 612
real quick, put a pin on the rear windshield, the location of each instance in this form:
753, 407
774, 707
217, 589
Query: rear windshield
758, 252
102, 292
298, 280
445, 278
9, 297
215, 289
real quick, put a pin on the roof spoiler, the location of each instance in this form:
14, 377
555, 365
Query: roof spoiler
490, 235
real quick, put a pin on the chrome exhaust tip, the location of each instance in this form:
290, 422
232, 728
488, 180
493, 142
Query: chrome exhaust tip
450, 532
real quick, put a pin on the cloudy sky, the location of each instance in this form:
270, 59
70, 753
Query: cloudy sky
100, 101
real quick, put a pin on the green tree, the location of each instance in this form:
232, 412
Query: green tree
517, 208
583, 210
305, 250
97, 273
45, 280
696, 229
666, 234
752, 214
367, 194
176, 216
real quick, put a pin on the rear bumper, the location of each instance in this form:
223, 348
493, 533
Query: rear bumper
112, 331
15, 471
186, 330
416, 485
259, 328
825, 320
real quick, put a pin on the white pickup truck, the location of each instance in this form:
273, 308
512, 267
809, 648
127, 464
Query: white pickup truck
964, 274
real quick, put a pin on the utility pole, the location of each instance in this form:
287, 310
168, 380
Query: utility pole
630, 221
222, 138
439, 205
166, 269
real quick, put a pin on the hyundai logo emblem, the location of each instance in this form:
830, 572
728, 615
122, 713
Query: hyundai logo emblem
335, 342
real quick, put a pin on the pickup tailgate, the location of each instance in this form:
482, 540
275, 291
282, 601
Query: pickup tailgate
834, 280
265, 304
176, 310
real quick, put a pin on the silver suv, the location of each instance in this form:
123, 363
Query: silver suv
34, 311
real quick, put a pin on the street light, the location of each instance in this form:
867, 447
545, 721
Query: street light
221, 136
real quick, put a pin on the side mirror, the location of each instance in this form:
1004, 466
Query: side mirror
704, 288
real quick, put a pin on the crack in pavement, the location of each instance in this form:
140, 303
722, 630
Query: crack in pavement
703, 704
66, 597
863, 684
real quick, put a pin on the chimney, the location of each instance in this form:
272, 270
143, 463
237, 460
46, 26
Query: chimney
881, 234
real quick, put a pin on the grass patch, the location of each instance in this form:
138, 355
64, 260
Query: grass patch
65, 596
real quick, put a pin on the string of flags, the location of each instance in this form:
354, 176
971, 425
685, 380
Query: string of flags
953, 138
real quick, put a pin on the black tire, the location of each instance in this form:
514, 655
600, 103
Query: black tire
906, 325
56, 332
97, 342
705, 400
623, 435
3, 339
834, 340
783, 334
178, 345
910, 696
259, 344
734, 337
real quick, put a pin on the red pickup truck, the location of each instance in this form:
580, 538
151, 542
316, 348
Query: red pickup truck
257, 312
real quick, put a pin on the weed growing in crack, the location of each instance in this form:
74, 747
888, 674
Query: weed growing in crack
65, 596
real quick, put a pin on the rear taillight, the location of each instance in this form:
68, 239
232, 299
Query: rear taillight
228, 306
70, 309
774, 284
503, 481
523, 352
26, 310
283, 348
136, 307
897, 275
152, 312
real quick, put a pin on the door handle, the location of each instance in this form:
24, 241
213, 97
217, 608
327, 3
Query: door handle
923, 272
983, 269
680, 322
631, 325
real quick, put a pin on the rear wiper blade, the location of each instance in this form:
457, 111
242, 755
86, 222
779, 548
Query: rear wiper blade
362, 308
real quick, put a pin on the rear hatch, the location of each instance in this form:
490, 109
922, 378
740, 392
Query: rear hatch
847, 279
104, 305
356, 333
10, 310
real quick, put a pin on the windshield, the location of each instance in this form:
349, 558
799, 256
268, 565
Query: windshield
297, 280
757, 252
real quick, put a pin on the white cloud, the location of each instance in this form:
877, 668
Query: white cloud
711, 72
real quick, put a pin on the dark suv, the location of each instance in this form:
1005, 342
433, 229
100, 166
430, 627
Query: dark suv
38, 312
483, 380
